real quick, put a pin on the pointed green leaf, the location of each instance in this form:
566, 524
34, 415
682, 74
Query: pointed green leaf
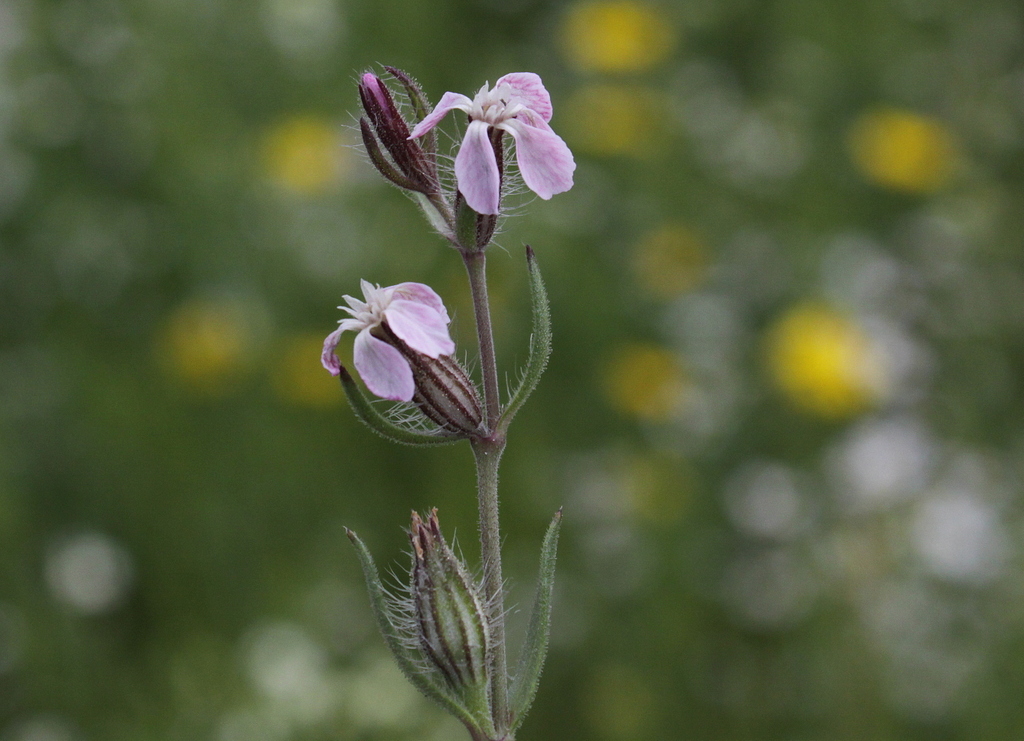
540, 342
531, 660
384, 427
405, 658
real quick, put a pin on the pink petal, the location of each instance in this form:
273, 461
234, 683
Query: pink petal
448, 102
423, 294
545, 161
421, 327
327, 358
373, 84
383, 369
528, 87
476, 170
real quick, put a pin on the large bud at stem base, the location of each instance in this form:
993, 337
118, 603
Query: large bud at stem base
451, 614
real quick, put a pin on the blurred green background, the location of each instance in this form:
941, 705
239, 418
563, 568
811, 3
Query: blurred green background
783, 415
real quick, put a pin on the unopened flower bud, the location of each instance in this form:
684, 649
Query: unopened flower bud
412, 168
443, 390
452, 624
403, 352
371, 87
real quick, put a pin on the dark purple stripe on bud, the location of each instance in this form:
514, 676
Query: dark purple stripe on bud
444, 392
451, 621
380, 106
392, 131
377, 158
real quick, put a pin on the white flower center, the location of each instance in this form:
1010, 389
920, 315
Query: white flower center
495, 106
369, 313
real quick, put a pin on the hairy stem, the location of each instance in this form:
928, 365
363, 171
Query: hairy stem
488, 456
476, 268
487, 452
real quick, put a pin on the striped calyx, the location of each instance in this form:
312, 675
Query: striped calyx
451, 613
443, 390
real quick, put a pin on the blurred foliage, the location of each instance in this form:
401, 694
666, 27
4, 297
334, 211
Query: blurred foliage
784, 413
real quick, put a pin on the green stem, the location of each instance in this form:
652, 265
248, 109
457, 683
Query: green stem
487, 452
476, 268
488, 456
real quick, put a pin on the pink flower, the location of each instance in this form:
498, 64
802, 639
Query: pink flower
407, 317
518, 104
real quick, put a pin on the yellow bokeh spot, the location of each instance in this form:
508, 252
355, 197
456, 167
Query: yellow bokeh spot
204, 345
824, 362
669, 260
617, 36
612, 119
304, 154
645, 381
902, 150
298, 376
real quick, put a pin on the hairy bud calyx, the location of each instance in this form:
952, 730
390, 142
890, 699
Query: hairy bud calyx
451, 616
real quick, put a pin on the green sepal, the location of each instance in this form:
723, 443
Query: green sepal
420, 105
535, 648
384, 427
379, 161
417, 98
406, 659
540, 343
435, 213
466, 225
